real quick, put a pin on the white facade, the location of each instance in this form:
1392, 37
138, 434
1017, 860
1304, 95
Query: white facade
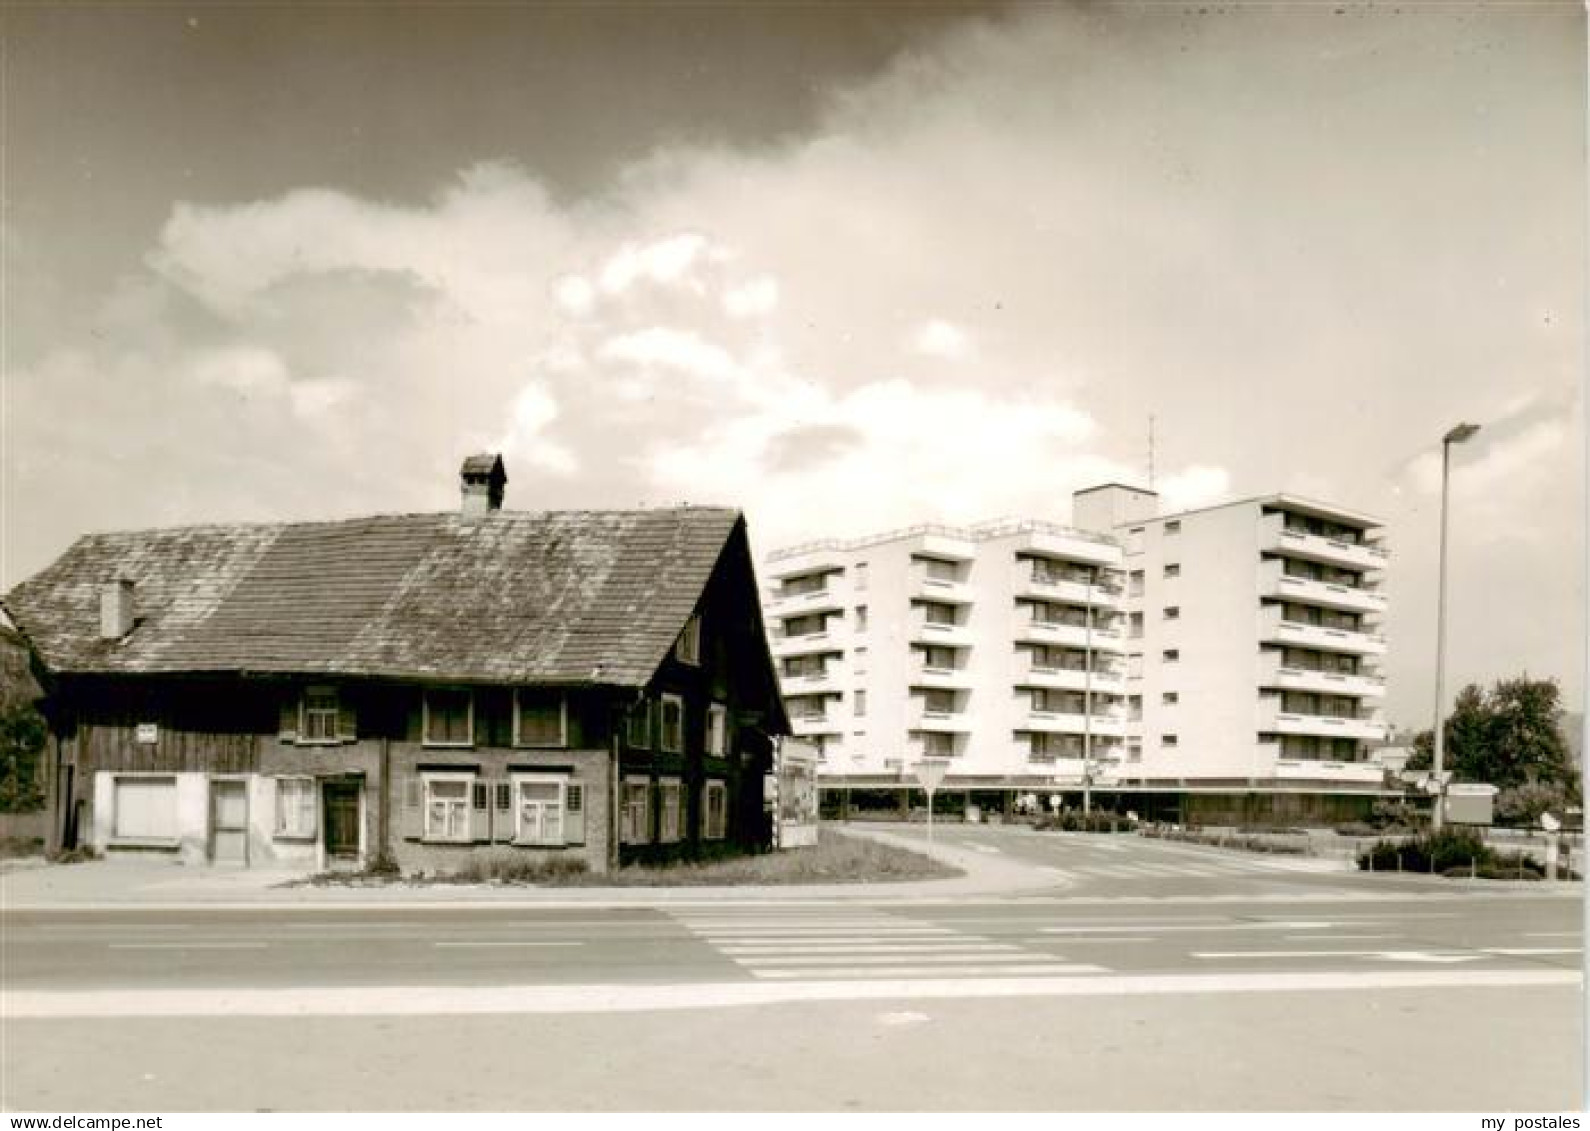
974, 643
1233, 647
1256, 650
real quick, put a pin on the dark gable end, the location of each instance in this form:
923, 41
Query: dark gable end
563, 597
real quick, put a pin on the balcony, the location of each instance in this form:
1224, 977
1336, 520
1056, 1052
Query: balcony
1274, 630
1273, 673
950, 678
1275, 538
827, 682
1052, 541
1072, 635
1308, 769
924, 588
1274, 720
1029, 674
825, 600
1276, 583
1048, 722
1065, 586
812, 643
920, 718
930, 632
811, 725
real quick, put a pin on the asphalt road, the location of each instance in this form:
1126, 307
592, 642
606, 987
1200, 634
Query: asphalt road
1095, 993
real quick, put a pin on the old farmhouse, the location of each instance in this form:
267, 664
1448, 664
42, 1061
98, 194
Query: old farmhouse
590, 686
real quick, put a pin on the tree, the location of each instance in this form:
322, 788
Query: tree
1510, 736
22, 735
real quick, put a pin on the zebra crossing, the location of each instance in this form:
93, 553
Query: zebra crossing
786, 944
1200, 869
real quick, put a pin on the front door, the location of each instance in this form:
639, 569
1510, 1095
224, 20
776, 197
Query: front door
229, 822
342, 819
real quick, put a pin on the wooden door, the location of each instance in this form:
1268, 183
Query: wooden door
342, 819
229, 822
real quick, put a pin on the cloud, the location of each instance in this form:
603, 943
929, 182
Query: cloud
757, 297
664, 262
1193, 487
943, 340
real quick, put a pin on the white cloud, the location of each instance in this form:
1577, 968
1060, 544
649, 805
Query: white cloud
938, 338
757, 297
665, 347
574, 295
1193, 487
664, 262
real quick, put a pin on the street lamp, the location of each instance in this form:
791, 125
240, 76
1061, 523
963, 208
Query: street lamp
1456, 436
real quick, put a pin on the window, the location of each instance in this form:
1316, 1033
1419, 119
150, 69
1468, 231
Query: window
1170, 698
861, 575
861, 618
1047, 701
861, 704
447, 805
935, 612
1170, 655
449, 717
938, 701
1172, 528
541, 718
146, 808
1048, 747
804, 585
813, 624
1172, 612
717, 731
1167, 740
1172, 569
640, 724
1134, 627
1134, 708
936, 744
634, 818
938, 658
318, 715
935, 569
539, 805
687, 649
1134, 749
1134, 540
673, 724
295, 807
668, 811
1134, 583
798, 667
714, 810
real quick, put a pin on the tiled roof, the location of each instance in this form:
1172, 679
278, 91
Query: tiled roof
570, 597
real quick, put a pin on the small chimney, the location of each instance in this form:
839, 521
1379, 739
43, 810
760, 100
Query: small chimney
115, 609
482, 479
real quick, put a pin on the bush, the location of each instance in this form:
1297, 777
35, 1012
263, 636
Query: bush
72, 855
22, 735
1073, 821
1450, 851
511, 868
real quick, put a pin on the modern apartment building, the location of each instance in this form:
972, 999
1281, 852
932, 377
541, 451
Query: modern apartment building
1254, 648
998, 646
1220, 663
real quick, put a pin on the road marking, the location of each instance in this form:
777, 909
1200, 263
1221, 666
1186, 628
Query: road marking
1027, 969
1552, 934
410, 1001
987, 848
726, 934
188, 946
505, 942
959, 959
1107, 939
1336, 938
1387, 955
1228, 925
1526, 950
945, 947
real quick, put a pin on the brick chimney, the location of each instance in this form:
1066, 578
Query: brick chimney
482, 479
115, 609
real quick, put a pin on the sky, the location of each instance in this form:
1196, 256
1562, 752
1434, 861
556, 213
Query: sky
846, 267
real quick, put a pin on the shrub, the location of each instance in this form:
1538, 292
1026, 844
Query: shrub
22, 736
72, 855
512, 868
1444, 851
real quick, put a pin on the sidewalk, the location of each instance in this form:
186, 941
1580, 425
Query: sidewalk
139, 883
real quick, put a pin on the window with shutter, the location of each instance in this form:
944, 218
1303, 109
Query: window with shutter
317, 716
673, 724
447, 807
295, 808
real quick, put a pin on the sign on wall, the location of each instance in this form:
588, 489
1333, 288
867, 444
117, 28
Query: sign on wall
148, 734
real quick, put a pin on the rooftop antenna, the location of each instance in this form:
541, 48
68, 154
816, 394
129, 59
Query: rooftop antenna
1150, 451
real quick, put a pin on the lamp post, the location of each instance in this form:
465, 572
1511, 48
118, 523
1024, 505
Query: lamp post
1456, 436
1087, 701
